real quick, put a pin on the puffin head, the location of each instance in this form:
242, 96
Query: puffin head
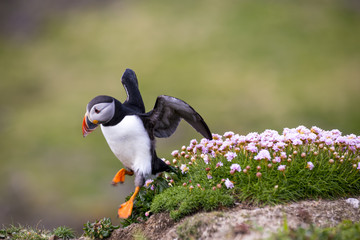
99, 110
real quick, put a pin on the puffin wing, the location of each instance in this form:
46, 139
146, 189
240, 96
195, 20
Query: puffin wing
134, 100
167, 114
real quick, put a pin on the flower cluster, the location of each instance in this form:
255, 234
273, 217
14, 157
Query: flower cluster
256, 153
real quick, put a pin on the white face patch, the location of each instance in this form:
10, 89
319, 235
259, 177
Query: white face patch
102, 112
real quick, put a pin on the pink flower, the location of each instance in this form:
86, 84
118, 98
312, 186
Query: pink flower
278, 146
310, 165
358, 168
219, 164
316, 130
228, 134
235, 167
329, 141
147, 213
296, 141
228, 184
193, 142
230, 156
281, 168
209, 176
263, 154
251, 147
184, 168
148, 182
175, 153
205, 157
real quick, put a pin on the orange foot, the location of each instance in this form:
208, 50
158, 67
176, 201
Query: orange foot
125, 209
120, 176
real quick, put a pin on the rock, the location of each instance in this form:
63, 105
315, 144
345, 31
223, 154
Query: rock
353, 202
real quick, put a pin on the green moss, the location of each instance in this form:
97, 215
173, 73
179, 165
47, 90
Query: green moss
345, 230
181, 201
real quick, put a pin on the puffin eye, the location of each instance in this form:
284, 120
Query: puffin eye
97, 110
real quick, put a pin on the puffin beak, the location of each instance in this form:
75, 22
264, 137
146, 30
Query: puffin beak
88, 126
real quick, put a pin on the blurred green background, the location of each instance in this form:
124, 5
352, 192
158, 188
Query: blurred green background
243, 65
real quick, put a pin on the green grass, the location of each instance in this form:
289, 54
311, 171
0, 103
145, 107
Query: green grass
29, 233
99, 229
345, 230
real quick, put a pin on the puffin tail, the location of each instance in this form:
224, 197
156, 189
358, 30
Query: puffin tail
159, 166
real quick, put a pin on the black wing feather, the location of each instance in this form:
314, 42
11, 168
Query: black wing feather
169, 111
134, 100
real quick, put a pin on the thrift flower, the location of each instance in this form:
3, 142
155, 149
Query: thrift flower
281, 168
219, 164
358, 168
184, 169
228, 134
230, 156
235, 167
228, 184
310, 165
175, 153
251, 147
263, 154
205, 157
148, 182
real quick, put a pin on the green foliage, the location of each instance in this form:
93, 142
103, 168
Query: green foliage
99, 229
64, 232
345, 230
24, 233
180, 201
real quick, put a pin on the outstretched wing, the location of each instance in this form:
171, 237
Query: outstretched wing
134, 100
168, 112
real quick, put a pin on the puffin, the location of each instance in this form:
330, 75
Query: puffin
130, 131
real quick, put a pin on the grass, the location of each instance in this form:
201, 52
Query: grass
266, 168
100, 229
28, 233
345, 230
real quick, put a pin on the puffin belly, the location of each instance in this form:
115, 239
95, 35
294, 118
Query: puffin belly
130, 143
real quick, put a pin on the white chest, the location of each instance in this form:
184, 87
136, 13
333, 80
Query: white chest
130, 143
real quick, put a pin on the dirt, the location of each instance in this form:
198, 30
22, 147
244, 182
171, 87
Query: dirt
242, 221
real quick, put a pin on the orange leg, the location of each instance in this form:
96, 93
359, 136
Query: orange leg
125, 209
120, 176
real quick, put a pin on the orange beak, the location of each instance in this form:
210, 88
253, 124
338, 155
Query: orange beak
88, 126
